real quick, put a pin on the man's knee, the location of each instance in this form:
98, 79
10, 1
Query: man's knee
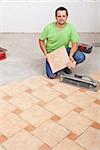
80, 58
52, 76
49, 72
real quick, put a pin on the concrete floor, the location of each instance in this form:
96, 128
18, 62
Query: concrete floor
25, 60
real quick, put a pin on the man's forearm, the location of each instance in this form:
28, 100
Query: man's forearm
73, 49
43, 47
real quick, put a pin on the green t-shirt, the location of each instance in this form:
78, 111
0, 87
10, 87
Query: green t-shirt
55, 37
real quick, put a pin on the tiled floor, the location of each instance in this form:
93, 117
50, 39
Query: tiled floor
38, 113
49, 116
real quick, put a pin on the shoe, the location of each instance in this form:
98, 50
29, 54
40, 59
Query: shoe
67, 70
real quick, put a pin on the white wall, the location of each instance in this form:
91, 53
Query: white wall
28, 16
98, 16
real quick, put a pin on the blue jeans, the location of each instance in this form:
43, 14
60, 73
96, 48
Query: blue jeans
78, 56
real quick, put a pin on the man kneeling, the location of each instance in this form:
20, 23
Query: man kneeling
57, 34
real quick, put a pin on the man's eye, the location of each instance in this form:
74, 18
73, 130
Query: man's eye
62, 16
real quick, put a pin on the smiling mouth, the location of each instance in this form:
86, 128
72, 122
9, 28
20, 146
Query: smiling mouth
61, 20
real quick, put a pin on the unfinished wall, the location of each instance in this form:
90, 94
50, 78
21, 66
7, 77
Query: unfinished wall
32, 16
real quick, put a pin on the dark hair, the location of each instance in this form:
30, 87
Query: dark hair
61, 8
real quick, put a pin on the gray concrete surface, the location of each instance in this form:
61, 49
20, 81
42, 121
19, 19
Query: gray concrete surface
25, 60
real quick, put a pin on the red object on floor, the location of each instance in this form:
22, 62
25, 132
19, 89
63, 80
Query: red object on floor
2, 53
85, 48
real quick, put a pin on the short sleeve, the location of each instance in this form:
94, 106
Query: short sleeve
74, 35
43, 35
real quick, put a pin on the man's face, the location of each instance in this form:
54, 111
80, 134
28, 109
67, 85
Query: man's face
61, 17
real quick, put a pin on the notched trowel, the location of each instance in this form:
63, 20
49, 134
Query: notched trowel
80, 80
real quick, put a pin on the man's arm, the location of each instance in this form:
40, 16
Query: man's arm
73, 50
43, 46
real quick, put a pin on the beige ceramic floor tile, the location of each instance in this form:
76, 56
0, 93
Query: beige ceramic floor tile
22, 141
68, 144
92, 112
34, 83
11, 124
5, 108
54, 60
53, 81
36, 115
96, 76
75, 122
59, 107
24, 100
97, 95
6, 86
2, 94
80, 99
93, 94
13, 89
50, 133
1, 148
46, 93
90, 139
65, 88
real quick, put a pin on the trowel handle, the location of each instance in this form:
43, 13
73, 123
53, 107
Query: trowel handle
78, 76
86, 77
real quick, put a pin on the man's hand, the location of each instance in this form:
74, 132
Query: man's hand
71, 58
46, 56
43, 47
72, 62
